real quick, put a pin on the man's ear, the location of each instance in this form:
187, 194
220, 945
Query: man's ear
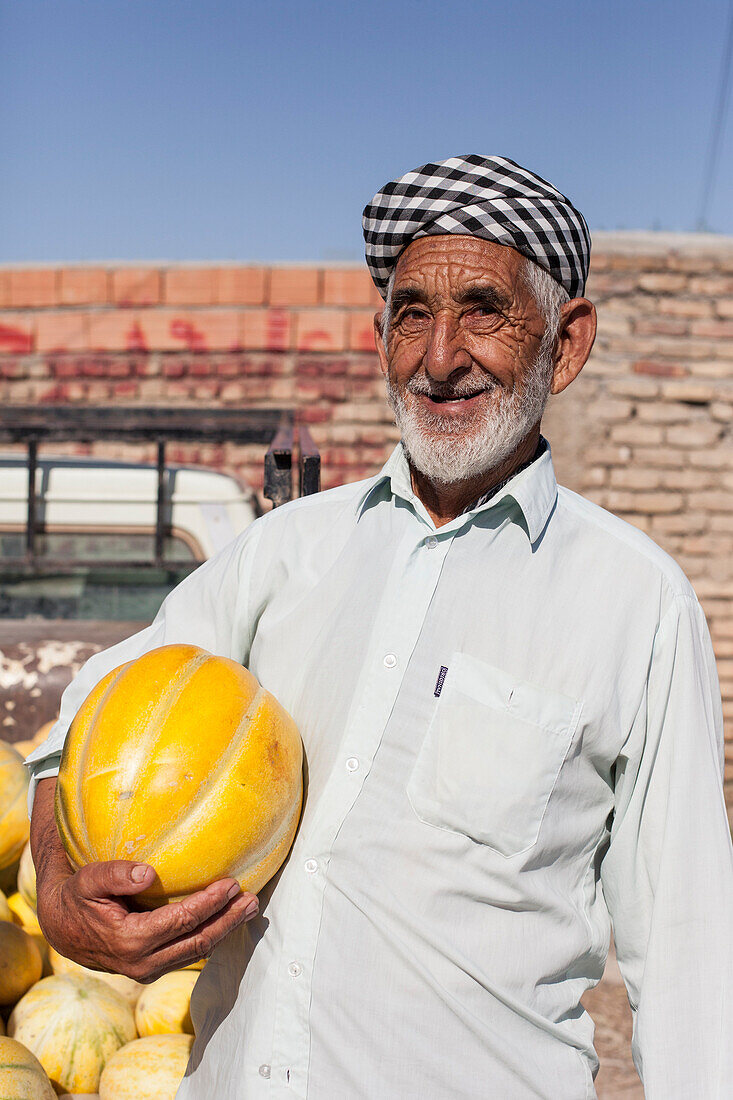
574, 343
380, 343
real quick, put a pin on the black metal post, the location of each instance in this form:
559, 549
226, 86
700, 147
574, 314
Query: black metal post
309, 464
160, 507
32, 513
279, 467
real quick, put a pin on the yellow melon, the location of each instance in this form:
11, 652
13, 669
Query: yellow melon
14, 824
9, 878
20, 962
27, 878
42, 732
199, 964
181, 760
25, 917
164, 1007
22, 1077
25, 748
23, 914
5, 910
147, 1069
128, 987
73, 1025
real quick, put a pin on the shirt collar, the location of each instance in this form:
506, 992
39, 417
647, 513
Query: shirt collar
533, 490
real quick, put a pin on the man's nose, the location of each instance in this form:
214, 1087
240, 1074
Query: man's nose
445, 352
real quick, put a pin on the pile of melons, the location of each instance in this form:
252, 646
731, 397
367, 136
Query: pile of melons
137, 780
63, 1028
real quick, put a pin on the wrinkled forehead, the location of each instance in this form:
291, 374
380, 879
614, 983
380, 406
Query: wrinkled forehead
450, 263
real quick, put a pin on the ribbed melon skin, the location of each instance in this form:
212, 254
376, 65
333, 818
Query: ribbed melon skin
22, 1077
73, 1025
14, 824
127, 987
164, 1007
27, 878
147, 1069
181, 760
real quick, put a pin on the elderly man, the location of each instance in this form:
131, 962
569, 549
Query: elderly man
510, 712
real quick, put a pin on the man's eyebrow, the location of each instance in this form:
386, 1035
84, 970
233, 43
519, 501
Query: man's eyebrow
406, 295
483, 294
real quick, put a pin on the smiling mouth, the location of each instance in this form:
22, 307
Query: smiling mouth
453, 397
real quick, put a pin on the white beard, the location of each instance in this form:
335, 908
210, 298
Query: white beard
447, 451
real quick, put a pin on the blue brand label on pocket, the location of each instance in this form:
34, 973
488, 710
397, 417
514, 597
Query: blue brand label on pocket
440, 681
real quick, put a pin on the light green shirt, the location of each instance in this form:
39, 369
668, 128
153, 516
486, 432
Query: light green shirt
513, 735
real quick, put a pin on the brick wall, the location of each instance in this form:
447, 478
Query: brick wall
645, 431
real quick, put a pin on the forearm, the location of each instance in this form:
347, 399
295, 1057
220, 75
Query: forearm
49, 854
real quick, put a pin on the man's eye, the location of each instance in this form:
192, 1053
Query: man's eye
412, 316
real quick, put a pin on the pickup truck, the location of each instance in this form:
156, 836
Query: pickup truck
89, 548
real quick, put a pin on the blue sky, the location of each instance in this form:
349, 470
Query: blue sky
223, 130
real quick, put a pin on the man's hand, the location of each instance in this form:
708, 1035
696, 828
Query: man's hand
85, 914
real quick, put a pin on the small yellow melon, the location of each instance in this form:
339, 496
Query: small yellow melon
128, 987
198, 965
164, 1007
27, 878
25, 917
22, 1077
147, 1069
42, 732
23, 914
14, 823
9, 878
5, 910
25, 748
20, 962
73, 1025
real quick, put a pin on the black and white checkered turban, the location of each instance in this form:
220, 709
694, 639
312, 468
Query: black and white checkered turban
489, 197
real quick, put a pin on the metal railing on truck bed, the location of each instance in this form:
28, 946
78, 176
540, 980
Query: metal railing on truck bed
33, 426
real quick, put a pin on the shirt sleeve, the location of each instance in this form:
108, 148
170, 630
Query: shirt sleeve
668, 873
210, 609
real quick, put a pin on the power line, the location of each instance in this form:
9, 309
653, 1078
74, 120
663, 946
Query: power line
718, 122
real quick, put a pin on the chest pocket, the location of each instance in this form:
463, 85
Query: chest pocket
492, 755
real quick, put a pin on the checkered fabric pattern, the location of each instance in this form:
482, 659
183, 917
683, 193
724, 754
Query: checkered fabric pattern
489, 197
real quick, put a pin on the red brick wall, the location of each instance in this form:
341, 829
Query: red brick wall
647, 430
293, 336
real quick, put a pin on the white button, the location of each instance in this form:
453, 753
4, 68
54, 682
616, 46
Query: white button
311, 866
265, 1070
294, 970
390, 660
352, 764
431, 542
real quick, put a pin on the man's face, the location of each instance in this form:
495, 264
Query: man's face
462, 369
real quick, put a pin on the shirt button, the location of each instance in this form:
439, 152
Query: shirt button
311, 866
265, 1070
352, 764
294, 970
390, 660
431, 542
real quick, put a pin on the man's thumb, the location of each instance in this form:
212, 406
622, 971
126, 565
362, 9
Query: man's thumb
115, 878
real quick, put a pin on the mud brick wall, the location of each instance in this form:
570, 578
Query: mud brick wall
646, 430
